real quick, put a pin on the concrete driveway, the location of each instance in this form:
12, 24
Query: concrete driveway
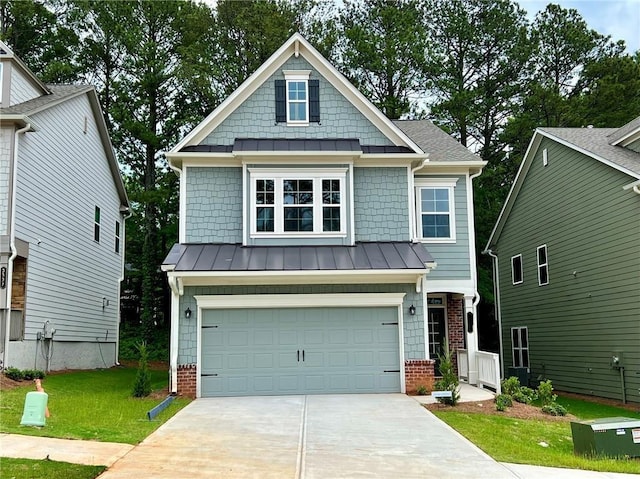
328, 436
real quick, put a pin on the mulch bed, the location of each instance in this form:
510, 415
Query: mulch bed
517, 411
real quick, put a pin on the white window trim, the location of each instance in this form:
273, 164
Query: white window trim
545, 157
297, 76
448, 183
317, 175
513, 276
542, 265
117, 232
520, 348
96, 223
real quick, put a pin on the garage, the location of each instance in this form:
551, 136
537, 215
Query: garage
299, 350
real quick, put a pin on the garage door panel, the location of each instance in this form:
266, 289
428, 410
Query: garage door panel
255, 351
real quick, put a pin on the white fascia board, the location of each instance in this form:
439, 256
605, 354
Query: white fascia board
593, 155
456, 286
167, 267
631, 185
630, 137
298, 300
295, 45
204, 278
453, 164
515, 188
20, 120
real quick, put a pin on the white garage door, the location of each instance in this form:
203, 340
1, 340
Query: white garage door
299, 351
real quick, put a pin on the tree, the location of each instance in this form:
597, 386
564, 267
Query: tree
383, 51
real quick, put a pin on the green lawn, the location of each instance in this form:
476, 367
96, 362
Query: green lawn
94, 405
519, 441
32, 469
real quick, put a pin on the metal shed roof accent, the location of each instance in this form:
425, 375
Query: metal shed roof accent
235, 257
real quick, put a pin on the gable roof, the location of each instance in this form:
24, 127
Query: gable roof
592, 142
6, 52
624, 134
296, 45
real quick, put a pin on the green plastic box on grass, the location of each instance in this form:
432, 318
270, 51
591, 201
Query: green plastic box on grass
35, 405
611, 437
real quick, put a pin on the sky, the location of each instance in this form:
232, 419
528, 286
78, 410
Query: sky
618, 18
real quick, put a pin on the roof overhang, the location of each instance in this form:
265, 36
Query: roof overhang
19, 120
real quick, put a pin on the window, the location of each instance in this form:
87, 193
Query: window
516, 269
297, 98
117, 239
520, 346
96, 225
435, 208
545, 157
298, 203
543, 266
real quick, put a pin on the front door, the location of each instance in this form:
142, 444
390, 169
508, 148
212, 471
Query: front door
437, 335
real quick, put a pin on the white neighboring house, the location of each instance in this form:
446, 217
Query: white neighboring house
62, 212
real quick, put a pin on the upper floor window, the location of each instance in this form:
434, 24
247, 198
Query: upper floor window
297, 98
298, 203
543, 265
516, 269
435, 209
96, 224
117, 238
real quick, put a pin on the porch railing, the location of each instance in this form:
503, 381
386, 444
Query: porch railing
488, 367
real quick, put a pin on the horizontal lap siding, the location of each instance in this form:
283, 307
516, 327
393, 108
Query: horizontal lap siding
63, 175
575, 205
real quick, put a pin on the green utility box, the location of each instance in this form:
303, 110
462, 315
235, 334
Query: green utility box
35, 405
612, 437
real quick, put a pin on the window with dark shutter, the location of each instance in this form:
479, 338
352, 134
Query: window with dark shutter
281, 101
314, 101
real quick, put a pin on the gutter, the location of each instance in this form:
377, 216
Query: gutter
12, 241
635, 186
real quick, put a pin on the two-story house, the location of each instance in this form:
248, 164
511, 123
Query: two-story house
323, 248
566, 251
62, 212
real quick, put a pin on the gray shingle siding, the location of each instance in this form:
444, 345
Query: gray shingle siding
255, 118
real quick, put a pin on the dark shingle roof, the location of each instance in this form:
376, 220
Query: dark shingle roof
235, 257
58, 93
439, 145
597, 141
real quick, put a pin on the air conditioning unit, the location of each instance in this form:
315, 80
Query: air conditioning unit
521, 373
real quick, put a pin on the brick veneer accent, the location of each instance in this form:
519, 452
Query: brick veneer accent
187, 380
418, 372
19, 283
455, 321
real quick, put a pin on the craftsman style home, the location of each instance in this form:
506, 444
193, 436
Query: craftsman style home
62, 207
323, 248
566, 252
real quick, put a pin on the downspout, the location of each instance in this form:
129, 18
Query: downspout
473, 372
412, 200
498, 311
12, 241
125, 217
173, 341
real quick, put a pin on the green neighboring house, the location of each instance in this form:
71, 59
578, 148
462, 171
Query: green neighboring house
566, 252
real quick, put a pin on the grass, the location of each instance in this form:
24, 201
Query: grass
95, 405
519, 440
32, 469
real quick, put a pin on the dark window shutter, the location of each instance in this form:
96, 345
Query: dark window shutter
314, 101
281, 101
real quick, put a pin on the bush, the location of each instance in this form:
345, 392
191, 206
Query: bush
554, 409
449, 381
422, 391
545, 393
31, 374
525, 395
503, 401
14, 373
142, 384
510, 386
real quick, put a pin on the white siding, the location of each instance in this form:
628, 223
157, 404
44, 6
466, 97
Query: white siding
5, 161
22, 89
63, 175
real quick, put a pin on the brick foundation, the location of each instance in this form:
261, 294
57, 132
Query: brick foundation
418, 372
187, 380
455, 322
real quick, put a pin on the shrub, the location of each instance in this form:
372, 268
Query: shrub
503, 401
525, 395
14, 373
142, 384
449, 381
545, 393
510, 386
422, 391
31, 374
554, 409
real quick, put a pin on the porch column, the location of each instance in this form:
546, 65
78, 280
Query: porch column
471, 333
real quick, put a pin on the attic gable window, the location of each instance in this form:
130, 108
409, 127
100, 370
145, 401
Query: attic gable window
297, 99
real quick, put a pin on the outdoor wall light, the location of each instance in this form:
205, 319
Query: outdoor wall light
412, 310
187, 313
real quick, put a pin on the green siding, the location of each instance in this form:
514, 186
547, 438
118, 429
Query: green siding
591, 307
255, 118
635, 146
